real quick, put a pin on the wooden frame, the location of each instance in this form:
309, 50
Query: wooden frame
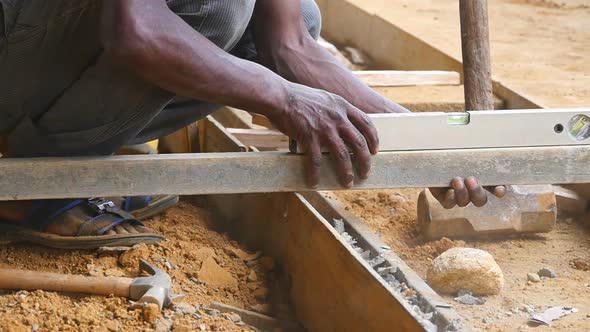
332, 288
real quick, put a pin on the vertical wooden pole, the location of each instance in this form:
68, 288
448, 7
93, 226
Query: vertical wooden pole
475, 43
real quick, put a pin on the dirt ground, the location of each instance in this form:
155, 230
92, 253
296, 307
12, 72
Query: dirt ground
538, 47
204, 265
393, 215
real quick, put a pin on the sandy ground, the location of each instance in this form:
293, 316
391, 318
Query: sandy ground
539, 48
204, 265
392, 214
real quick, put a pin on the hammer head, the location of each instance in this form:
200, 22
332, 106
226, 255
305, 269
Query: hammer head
153, 289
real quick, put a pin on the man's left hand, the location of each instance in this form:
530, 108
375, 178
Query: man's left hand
464, 191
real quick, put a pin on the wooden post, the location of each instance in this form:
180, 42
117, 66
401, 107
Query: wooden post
475, 44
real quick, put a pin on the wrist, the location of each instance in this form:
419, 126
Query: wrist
276, 100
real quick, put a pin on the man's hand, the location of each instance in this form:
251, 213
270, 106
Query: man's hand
317, 118
462, 192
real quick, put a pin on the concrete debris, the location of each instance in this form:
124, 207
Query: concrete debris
366, 255
184, 308
533, 277
547, 273
466, 297
528, 308
468, 269
232, 317
339, 226
376, 261
212, 312
552, 314
387, 272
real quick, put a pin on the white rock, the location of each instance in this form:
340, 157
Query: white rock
468, 269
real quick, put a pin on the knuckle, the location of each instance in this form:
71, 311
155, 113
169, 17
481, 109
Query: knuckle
343, 154
316, 161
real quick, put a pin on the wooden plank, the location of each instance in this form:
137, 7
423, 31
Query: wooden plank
211, 173
261, 120
208, 129
440, 98
260, 138
393, 78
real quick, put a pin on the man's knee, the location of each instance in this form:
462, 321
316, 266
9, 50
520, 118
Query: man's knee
221, 21
312, 17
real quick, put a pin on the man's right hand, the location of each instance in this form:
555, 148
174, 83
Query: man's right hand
316, 119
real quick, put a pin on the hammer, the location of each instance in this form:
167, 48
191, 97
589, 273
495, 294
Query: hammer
152, 289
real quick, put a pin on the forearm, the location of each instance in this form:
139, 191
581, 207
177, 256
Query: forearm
308, 63
167, 52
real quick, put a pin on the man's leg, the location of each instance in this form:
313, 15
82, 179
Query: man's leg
107, 106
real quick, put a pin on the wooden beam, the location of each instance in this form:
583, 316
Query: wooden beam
260, 138
393, 78
208, 128
217, 173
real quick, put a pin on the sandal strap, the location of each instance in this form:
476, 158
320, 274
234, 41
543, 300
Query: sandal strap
44, 212
132, 203
104, 215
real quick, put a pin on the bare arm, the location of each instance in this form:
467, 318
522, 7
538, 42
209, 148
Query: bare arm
159, 46
156, 44
285, 45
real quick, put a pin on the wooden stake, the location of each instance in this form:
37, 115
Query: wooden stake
476, 55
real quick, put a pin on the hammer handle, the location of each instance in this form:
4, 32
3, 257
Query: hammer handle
48, 281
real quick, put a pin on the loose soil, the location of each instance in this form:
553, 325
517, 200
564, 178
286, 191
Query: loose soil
392, 214
204, 265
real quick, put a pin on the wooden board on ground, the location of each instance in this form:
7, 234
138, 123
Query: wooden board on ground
448, 98
393, 78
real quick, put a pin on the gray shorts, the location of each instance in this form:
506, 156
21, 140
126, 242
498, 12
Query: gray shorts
59, 96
